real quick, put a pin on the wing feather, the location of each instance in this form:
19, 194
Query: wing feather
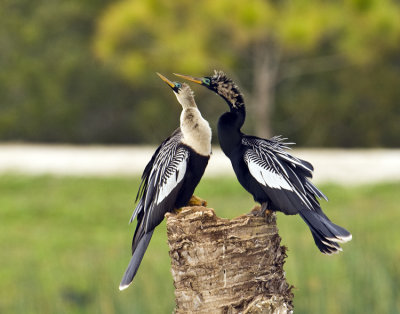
284, 180
264, 173
281, 174
166, 161
167, 183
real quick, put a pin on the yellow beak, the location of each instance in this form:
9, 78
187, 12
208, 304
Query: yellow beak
166, 80
190, 78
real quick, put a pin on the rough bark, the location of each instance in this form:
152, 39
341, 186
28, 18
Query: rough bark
227, 266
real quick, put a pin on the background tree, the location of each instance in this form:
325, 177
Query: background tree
51, 87
266, 41
322, 73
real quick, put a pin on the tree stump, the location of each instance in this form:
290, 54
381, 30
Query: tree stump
227, 266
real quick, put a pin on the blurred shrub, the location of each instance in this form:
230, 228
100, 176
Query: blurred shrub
53, 87
53, 90
350, 107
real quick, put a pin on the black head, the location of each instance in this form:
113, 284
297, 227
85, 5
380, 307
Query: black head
222, 85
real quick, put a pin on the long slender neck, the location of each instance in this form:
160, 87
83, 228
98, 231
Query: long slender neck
229, 125
229, 91
196, 131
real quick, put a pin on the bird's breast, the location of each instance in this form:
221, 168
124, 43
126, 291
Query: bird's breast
197, 135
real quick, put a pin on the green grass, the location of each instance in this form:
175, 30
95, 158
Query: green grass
64, 245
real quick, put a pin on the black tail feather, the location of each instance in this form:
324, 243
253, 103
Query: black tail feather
135, 261
326, 234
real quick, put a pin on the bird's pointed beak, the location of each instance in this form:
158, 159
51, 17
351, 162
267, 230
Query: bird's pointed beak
190, 78
171, 84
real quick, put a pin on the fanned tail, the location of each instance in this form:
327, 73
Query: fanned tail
326, 234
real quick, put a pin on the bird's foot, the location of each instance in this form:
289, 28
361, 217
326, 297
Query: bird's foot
255, 210
264, 210
261, 211
197, 201
178, 210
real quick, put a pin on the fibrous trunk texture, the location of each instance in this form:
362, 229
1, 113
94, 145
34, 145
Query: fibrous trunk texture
227, 266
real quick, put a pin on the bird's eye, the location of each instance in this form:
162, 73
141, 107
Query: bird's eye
206, 81
178, 85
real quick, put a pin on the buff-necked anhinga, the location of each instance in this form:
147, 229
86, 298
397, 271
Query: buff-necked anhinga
171, 176
276, 179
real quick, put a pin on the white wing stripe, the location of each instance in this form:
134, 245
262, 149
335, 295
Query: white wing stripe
172, 181
265, 166
267, 177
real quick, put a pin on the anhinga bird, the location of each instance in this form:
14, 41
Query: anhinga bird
171, 176
276, 179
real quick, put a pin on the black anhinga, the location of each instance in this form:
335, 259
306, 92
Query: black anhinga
276, 179
171, 176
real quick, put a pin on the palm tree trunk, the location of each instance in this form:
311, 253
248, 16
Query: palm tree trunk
227, 266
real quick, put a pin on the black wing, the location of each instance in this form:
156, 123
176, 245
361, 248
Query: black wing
161, 183
157, 178
283, 177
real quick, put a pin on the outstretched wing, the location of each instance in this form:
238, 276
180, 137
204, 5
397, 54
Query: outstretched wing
283, 177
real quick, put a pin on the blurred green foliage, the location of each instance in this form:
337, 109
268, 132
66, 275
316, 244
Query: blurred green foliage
54, 90
361, 110
65, 243
83, 72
